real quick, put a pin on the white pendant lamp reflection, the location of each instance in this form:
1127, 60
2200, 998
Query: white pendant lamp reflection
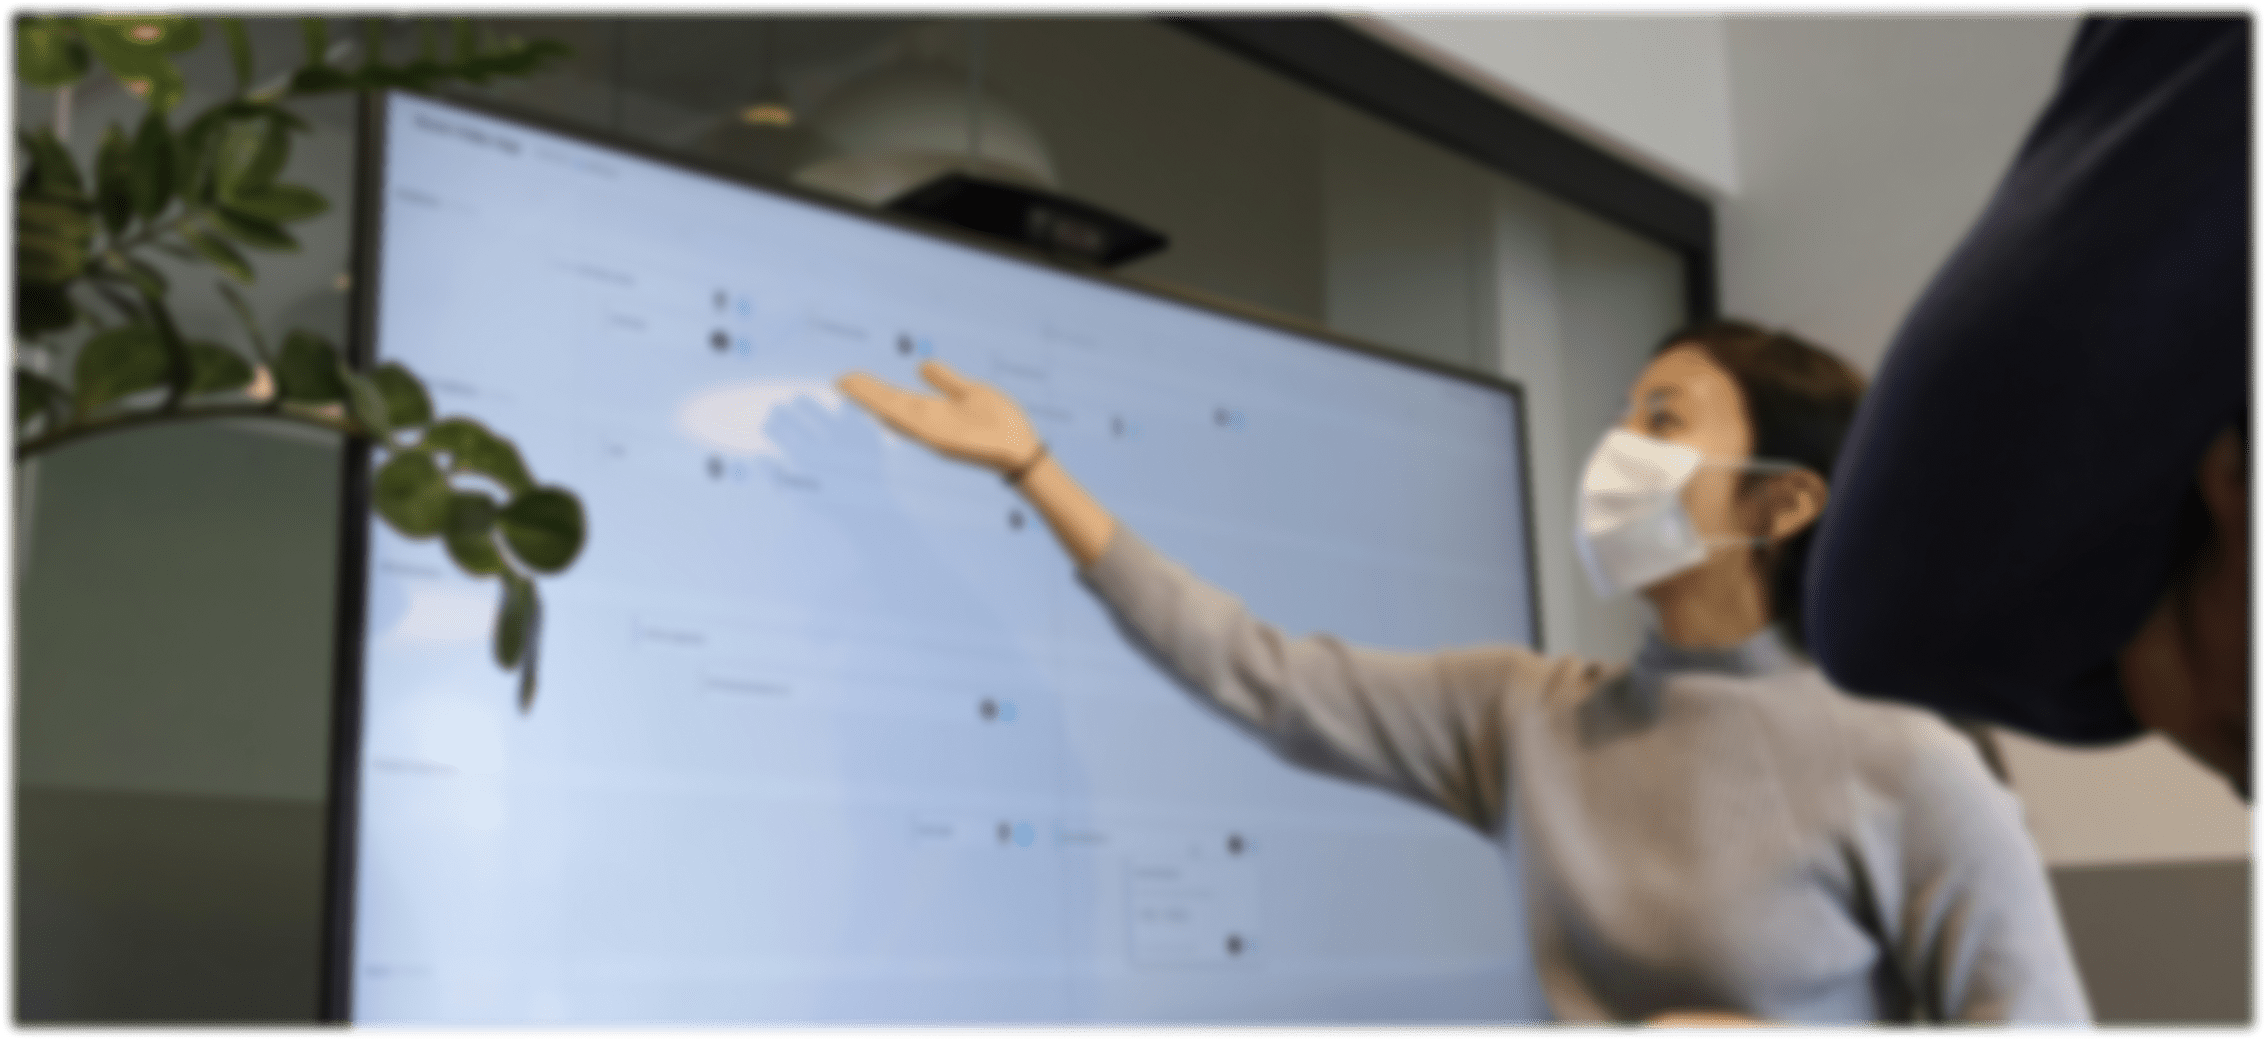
913, 121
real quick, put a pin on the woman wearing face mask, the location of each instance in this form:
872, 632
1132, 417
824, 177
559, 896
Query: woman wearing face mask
1711, 828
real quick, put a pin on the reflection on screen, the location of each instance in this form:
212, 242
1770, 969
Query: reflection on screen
828, 731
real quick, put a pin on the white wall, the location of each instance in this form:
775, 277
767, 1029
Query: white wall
1866, 147
1649, 89
1848, 156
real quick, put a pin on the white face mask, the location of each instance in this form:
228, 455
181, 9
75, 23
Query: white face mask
1630, 526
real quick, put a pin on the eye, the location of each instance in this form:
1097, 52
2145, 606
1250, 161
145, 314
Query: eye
1658, 421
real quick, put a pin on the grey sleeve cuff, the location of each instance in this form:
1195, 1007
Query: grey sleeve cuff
1126, 569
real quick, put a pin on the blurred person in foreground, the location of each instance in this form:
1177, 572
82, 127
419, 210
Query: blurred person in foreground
1709, 831
2041, 518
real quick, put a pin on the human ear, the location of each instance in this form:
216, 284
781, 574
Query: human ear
2186, 672
1792, 501
2223, 479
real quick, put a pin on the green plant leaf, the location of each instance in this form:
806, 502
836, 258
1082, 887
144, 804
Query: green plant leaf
152, 179
148, 280
544, 528
54, 174
319, 79
236, 146
275, 113
373, 42
364, 402
114, 178
279, 203
51, 241
47, 260
307, 371
467, 39
473, 448
316, 33
471, 533
121, 304
378, 77
239, 52
122, 361
214, 368
411, 494
422, 73
244, 317
36, 396
42, 308
534, 643
267, 159
192, 173
198, 157
219, 253
163, 87
515, 622
251, 230
515, 58
180, 368
44, 215
48, 53
406, 401
137, 49
152, 33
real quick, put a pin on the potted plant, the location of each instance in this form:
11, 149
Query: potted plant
204, 188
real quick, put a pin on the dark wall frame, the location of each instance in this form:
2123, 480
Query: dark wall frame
1339, 60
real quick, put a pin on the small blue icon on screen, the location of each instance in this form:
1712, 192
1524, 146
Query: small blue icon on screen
743, 306
1025, 834
1007, 711
742, 347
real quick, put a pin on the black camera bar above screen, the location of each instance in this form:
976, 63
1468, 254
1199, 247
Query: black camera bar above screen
828, 729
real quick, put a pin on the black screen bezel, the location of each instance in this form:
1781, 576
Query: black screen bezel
342, 823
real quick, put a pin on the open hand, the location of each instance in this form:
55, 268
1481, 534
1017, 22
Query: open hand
970, 421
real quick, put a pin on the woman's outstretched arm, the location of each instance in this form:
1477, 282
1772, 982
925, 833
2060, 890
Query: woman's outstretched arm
977, 424
1431, 726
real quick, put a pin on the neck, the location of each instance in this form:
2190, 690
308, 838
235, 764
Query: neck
1720, 603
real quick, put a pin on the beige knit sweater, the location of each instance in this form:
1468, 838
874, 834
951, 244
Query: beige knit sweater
1700, 829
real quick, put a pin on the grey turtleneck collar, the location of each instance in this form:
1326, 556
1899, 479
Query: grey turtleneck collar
1760, 654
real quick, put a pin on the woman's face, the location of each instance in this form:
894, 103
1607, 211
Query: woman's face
1684, 397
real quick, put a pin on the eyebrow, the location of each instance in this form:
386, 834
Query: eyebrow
1653, 396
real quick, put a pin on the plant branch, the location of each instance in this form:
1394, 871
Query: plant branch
79, 431
152, 229
178, 372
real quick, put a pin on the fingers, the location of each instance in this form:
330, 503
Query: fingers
858, 384
940, 375
876, 396
897, 409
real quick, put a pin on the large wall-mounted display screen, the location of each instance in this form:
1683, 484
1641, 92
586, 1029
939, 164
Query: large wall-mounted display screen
827, 729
